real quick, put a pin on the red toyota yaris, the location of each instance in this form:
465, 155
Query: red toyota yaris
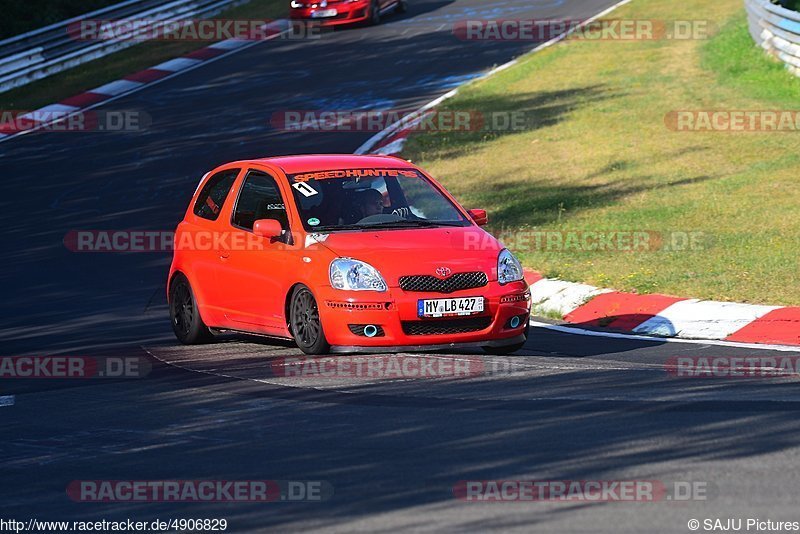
335, 12
342, 253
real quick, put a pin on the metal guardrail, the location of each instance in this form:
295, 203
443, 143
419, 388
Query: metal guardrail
46, 51
777, 30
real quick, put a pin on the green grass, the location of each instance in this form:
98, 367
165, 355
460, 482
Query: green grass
596, 155
110, 68
745, 67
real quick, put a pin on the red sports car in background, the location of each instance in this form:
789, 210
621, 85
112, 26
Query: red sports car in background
342, 253
334, 12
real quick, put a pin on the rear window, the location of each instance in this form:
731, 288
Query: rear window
212, 197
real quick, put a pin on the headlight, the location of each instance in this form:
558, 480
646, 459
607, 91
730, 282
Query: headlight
509, 269
354, 275
295, 4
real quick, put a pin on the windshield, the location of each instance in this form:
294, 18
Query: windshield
356, 199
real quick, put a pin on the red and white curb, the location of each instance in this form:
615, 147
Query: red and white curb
55, 113
586, 306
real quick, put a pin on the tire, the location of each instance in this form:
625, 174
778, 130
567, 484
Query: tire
507, 349
305, 323
184, 314
402, 6
374, 13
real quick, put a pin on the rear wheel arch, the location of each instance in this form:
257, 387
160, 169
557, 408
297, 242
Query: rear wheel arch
198, 295
172, 279
185, 317
179, 273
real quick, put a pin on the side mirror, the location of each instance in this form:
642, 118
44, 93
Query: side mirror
268, 228
479, 216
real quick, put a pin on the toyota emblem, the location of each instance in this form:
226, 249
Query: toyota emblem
443, 272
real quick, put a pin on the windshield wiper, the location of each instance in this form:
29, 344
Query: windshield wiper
423, 223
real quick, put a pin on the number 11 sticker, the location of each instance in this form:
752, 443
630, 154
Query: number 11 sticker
305, 189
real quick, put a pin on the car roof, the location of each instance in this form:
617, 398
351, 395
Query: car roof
333, 162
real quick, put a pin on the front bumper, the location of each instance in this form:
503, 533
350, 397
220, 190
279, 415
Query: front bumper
346, 13
394, 314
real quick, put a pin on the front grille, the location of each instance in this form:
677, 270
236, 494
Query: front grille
448, 326
431, 284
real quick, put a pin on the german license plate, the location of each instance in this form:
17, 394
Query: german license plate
323, 13
449, 307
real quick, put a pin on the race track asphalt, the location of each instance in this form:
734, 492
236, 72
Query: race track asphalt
566, 407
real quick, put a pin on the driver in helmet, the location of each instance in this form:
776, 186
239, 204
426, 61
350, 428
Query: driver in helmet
369, 202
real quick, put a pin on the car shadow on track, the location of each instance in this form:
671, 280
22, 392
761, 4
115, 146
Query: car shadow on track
540, 342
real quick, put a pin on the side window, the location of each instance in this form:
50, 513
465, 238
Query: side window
259, 198
212, 197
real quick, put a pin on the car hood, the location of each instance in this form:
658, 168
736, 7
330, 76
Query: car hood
397, 253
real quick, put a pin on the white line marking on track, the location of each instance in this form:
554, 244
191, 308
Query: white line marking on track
583, 332
395, 147
7, 400
372, 141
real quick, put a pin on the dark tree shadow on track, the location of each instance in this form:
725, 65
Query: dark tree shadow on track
395, 452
